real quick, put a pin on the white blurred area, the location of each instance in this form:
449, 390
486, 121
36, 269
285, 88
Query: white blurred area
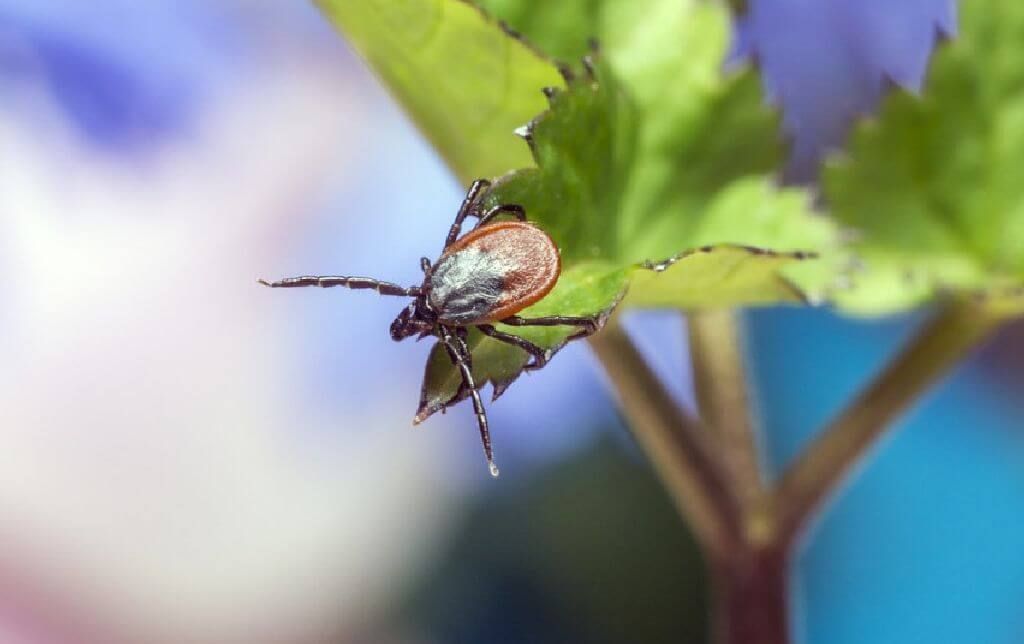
162, 475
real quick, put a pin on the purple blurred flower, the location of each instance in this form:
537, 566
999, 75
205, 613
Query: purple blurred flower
825, 63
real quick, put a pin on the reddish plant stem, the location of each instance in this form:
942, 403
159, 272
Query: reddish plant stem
747, 530
751, 597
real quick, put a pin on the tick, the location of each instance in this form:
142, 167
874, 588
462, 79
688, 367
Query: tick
483, 277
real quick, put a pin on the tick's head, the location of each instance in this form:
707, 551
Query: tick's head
413, 320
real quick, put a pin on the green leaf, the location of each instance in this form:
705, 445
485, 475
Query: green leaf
560, 29
585, 290
650, 153
711, 275
464, 81
933, 185
609, 190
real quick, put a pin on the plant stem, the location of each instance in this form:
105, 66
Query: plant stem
716, 353
677, 444
824, 464
751, 583
751, 591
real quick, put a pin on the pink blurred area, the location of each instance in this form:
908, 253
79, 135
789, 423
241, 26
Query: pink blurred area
163, 477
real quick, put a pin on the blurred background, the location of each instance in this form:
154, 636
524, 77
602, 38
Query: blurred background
186, 457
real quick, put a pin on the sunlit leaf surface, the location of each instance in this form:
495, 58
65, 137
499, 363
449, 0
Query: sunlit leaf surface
464, 81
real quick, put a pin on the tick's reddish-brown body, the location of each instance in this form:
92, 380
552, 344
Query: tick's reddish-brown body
530, 259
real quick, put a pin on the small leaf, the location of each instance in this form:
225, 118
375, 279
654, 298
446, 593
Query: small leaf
714, 276
586, 290
466, 83
934, 183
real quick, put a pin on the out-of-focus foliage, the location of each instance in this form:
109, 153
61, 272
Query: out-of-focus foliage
465, 82
934, 184
589, 550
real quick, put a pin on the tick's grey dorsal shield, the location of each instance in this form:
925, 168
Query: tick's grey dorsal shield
467, 285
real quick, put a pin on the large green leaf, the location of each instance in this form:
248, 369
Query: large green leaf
652, 154
466, 83
608, 188
934, 184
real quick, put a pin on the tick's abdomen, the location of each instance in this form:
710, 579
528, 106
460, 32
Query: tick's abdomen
493, 272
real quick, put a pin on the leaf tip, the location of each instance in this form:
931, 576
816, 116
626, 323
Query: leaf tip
499, 388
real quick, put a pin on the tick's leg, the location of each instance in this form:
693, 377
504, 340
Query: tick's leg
327, 281
461, 335
513, 209
458, 345
468, 208
453, 355
454, 347
586, 326
540, 356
